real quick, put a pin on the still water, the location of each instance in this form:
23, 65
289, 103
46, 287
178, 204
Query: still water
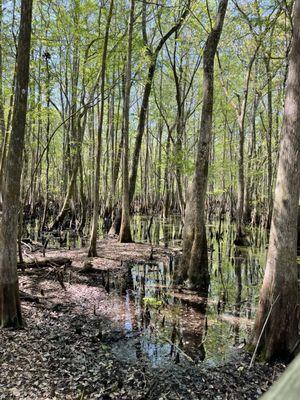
164, 324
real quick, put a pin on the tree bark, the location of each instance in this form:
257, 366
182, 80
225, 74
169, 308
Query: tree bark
269, 134
194, 262
279, 296
10, 309
125, 234
2, 121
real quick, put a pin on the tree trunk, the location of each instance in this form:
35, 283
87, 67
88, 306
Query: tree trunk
240, 236
269, 141
48, 94
279, 296
248, 207
194, 263
10, 309
92, 249
76, 165
145, 102
125, 234
2, 121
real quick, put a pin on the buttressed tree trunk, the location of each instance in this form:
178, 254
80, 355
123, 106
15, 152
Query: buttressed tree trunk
277, 318
194, 262
10, 309
125, 234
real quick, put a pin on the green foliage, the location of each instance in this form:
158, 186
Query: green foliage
152, 302
72, 32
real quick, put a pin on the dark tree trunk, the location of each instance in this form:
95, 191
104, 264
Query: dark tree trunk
125, 234
10, 309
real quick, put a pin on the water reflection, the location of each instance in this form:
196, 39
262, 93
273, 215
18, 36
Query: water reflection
167, 324
175, 324
155, 230
165, 329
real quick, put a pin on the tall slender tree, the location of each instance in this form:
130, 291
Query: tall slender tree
93, 241
194, 263
2, 121
125, 234
153, 55
10, 309
3, 133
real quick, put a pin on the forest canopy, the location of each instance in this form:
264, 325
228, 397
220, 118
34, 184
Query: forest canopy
67, 44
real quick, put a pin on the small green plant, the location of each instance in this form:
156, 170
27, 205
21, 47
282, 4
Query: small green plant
152, 302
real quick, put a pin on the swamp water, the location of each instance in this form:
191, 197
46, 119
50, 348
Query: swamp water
166, 325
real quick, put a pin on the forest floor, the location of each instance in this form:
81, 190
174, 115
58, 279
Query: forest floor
74, 325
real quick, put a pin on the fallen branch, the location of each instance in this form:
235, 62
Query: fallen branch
47, 262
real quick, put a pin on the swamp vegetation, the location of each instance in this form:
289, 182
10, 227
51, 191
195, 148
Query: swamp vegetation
149, 181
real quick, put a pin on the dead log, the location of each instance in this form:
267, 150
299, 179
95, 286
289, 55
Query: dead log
46, 262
